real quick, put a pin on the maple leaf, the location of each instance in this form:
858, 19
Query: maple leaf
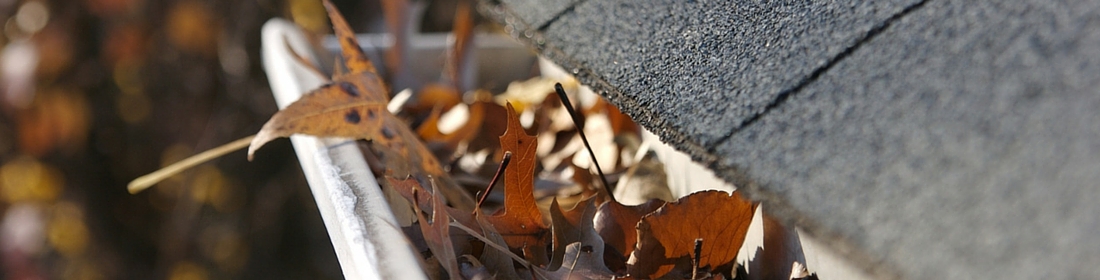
353, 105
667, 237
520, 222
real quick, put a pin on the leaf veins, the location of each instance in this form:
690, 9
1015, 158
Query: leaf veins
520, 222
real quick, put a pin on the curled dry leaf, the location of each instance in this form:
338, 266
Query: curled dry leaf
666, 237
621, 124
781, 250
433, 95
354, 106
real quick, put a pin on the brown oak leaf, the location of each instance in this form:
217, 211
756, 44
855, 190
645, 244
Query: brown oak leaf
520, 222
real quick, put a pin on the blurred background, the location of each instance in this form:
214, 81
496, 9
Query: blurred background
94, 93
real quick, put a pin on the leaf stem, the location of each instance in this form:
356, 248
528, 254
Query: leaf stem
144, 182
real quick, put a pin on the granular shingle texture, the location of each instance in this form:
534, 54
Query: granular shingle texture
714, 63
939, 139
964, 149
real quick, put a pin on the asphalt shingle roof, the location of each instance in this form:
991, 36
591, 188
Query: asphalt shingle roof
935, 139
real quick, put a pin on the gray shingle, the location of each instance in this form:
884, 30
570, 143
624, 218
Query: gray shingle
714, 64
961, 142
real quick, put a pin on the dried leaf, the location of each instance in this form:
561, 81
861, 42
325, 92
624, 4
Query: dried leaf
354, 58
520, 221
438, 235
583, 261
617, 224
488, 134
495, 259
567, 228
620, 123
354, 106
578, 249
339, 109
309, 14
411, 190
666, 237
433, 95
781, 252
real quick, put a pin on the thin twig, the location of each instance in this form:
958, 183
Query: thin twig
500, 170
573, 115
